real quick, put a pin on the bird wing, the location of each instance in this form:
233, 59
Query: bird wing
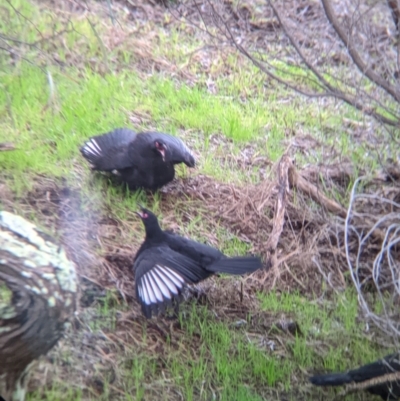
160, 276
109, 151
177, 151
204, 254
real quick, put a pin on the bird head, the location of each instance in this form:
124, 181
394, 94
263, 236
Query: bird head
173, 150
149, 220
161, 148
144, 213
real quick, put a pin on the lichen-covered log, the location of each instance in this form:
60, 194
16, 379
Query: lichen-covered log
38, 293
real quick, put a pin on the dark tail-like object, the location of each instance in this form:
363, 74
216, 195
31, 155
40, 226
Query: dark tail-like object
385, 369
335, 379
237, 265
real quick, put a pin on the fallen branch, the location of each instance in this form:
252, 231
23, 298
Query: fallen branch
6, 146
298, 181
353, 387
280, 205
279, 216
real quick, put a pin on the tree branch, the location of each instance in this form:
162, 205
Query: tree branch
330, 91
367, 71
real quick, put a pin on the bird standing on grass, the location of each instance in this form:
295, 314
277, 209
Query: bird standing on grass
165, 263
141, 160
380, 378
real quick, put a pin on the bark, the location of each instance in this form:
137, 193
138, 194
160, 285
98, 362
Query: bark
38, 293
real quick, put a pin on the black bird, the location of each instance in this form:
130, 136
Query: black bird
387, 387
165, 263
141, 160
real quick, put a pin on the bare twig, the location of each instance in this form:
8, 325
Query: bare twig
331, 90
315, 80
283, 181
385, 266
389, 377
103, 48
363, 67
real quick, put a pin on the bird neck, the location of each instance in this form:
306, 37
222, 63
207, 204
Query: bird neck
154, 233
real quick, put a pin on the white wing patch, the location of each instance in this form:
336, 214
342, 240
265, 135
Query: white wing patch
159, 284
92, 147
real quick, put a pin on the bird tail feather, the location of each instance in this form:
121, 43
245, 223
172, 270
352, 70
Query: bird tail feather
335, 379
102, 151
237, 265
389, 364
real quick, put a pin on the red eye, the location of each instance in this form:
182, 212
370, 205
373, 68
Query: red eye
145, 215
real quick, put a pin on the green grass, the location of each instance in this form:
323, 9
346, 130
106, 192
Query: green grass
224, 358
49, 129
333, 322
214, 356
210, 357
88, 104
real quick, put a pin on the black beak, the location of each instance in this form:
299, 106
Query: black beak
190, 162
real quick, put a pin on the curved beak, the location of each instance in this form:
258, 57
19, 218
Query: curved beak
190, 161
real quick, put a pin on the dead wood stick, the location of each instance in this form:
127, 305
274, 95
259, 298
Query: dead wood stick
280, 204
6, 146
280, 207
353, 387
298, 181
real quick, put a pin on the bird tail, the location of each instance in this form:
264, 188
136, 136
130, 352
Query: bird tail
335, 379
237, 265
102, 151
381, 367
